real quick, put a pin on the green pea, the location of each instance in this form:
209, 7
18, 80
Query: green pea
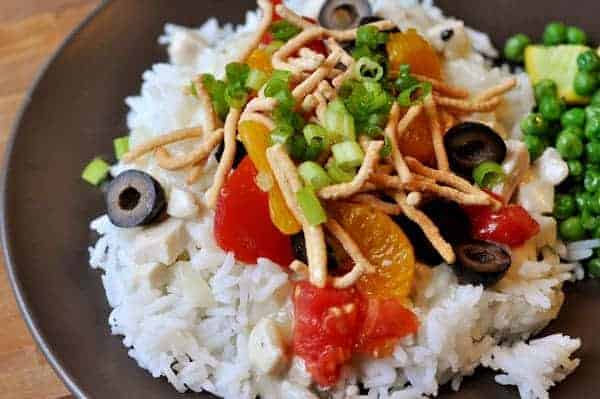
592, 151
571, 229
592, 129
575, 168
573, 117
564, 206
591, 181
589, 221
592, 111
577, 131
576, 35
588, 61
569, 145
593, 267
555, 33
545, 88
514, 48
583, 200
595, 100
594, 205
535, 145
552, 108
534, 124
585, 83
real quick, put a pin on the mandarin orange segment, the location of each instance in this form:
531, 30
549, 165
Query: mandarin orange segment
417, 142
260, 59
256, 140
384, 244
411, 48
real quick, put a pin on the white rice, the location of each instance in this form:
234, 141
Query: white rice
190, 321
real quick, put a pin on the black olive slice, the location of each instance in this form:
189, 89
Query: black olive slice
240, 153
471, 143
134, 198
481, 262
344, 14
299, 247
449, 217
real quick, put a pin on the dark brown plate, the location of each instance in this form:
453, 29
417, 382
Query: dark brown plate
72, 114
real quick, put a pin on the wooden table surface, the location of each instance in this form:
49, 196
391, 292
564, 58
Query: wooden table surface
30, 31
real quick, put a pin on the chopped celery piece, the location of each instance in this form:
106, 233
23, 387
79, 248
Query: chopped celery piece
96, 171
314, 175
121, 145
348, 154
312, 130
311, 206
339, 122
339, 175
256, 79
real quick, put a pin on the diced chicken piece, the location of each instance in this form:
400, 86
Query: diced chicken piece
189, 283
161, 243
295, 391
450, 38
154, 274
547, 234
515, 166
551, 167
266, 350
537, 196
182, 204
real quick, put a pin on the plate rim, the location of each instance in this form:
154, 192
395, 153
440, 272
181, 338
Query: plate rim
6, 241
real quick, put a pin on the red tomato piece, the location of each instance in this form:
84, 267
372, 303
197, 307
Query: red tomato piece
512, 225
267, 38
386, 321
242, 222
326, 329
317, 46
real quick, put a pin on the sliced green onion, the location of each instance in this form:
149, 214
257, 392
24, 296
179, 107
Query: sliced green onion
236, 74
297, 147
96, 171
282, 134
339, 122
337, 174
274, 46
311, 206
386, 150
284, 30
370, 36
216, 91
313, 130
314, 175
348, 154
236, 97
314, 147
488, 174
367, 69
422, 90
121, 145
256, 79
281, 75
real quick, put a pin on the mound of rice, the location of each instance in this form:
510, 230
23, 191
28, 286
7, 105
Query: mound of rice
190, 321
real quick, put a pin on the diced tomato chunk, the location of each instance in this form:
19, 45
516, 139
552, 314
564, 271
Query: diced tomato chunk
317, 46
326, 329
267, 38
331, 324
512, 225
386, 321
242, 221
